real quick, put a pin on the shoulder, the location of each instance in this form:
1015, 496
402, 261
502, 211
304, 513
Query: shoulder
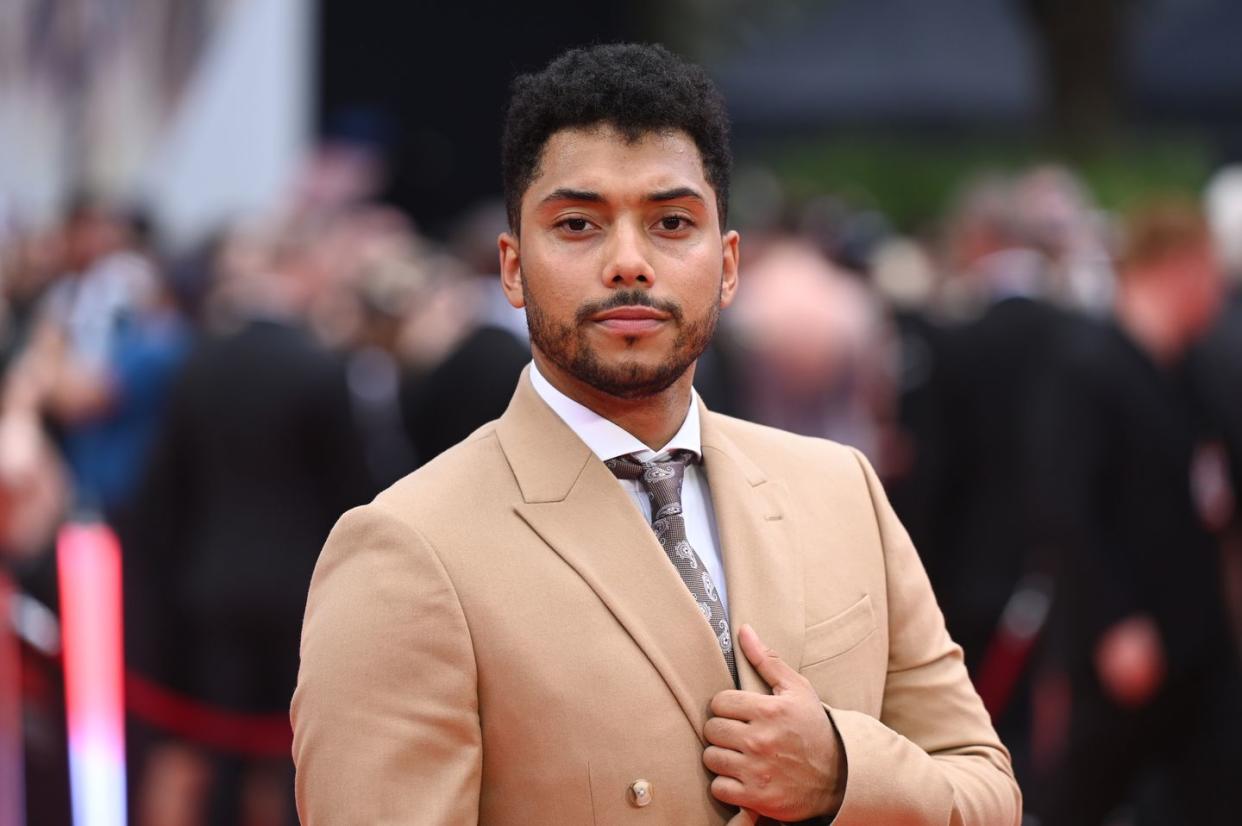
1091, 360
472, 477
1086, 343
427, 518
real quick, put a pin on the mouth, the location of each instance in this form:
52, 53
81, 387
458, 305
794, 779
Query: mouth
631, 321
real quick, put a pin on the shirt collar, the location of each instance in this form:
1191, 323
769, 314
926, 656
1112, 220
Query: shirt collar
606, 439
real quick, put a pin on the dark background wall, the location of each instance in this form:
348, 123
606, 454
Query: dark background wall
873, 93
430, 79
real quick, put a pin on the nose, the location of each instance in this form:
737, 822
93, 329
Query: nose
627, 264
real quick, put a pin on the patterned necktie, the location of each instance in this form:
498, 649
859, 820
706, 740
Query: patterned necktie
662, 481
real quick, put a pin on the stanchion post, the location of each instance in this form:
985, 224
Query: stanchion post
12, 776
89, 567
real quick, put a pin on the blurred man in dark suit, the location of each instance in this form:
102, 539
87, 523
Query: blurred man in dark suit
1217, 373
989, 368
974, 452
1139, 630
258, 457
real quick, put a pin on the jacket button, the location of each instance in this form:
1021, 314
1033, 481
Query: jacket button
640, 793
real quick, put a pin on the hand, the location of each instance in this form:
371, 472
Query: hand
1130, 661
778, 755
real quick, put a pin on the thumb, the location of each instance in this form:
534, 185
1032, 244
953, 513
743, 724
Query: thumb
766, 661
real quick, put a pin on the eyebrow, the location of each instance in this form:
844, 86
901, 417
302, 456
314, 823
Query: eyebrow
587, 196
676, 194
564, 194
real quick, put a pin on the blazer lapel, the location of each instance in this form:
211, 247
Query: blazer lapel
763, 566
577, 507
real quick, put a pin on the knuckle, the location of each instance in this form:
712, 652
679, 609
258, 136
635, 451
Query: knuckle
759, 743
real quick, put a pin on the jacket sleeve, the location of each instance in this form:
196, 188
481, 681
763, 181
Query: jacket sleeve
385, 715
932, 757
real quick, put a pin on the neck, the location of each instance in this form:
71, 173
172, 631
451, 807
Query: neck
1142, 315
653, 420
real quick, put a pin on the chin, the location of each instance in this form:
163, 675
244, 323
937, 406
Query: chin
634, 378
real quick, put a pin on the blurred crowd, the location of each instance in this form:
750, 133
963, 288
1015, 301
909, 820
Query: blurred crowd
1052, 393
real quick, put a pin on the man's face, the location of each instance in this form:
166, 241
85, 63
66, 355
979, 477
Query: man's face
621, 264
1200, 287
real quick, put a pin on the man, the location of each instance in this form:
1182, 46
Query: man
1139, 634
257, 456
989, 366
973, 534
505, 637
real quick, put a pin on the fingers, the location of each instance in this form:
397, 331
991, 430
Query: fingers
728, 790
741, 705
774, 671
728, 734
724, 762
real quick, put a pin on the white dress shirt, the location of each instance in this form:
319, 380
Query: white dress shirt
608, 441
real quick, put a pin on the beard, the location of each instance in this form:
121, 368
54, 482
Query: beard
569, 348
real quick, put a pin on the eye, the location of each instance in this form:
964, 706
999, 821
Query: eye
574, 225
673, 223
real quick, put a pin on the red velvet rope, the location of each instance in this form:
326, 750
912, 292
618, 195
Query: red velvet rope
253, 735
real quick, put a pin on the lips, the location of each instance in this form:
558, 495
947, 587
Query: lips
631, 321
630, 314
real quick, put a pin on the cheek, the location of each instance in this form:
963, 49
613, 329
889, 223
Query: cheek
699, 265
548, 283
709, 281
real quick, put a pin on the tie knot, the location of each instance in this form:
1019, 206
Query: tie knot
627, 467
661, 479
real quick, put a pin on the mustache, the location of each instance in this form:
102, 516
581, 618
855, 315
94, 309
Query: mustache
628, 298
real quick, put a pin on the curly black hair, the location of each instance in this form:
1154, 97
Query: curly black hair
635, 88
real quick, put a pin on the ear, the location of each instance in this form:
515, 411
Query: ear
511, 269
730, 249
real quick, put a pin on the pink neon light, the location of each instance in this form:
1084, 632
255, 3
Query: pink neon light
89, 559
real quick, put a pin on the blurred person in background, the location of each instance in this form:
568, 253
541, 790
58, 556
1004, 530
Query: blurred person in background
979, 555
1059, 218
34, 484
258, 456
1217, 371
105, 345
471, 383
912, 454
385, 270
89, 358
103, 350
810, 340
35, 491
1139, 646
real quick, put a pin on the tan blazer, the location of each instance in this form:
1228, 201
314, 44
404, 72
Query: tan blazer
499, 638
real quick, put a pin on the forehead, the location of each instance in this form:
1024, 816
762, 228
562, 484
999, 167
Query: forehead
601, 159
